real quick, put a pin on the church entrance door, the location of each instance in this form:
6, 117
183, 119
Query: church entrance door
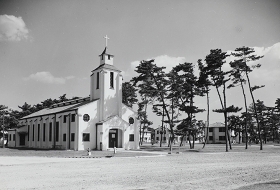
113, 138
21, 139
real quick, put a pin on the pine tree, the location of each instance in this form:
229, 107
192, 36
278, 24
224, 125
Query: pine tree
155, 87
185, 87
214, 62
129, 96
204, 83
245, 55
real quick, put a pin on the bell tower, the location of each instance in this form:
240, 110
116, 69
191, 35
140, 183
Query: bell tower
106, 85
105, 56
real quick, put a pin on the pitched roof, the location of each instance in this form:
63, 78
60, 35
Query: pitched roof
107, 66
58, 109
105, 51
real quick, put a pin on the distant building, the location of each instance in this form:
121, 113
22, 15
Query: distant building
216, 134
99, 121
149, 134
165, 135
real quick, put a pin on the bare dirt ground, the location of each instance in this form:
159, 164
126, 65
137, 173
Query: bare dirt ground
201, 169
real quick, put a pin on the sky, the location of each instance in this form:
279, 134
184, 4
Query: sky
49, 48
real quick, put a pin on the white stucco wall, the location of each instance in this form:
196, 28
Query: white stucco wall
42, 142
111, 101
64, 129
126, 114
114, 123
11, 139
124, 130
88, 127
106, 60
94, 92
92, 85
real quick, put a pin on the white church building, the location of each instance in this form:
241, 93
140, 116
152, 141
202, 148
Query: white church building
100, 121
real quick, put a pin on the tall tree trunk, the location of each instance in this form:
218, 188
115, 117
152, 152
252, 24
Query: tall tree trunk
182, 139
190, 143
172, 117
207, 122
140, 133
225, 116
161, 127
246, 110
255, 110
171, 125
229, 142
239, 137
193, 140
171, 139
146, 105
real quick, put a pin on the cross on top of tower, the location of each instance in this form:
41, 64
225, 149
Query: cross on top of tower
106, 40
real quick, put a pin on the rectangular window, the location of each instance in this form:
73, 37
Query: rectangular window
73, 117
157, 138
64, 118
157, 132
44, 132
85, 136
97, 80
14, 137
164, 138
210, 129
222, 138
10, 137
210, 138
111, 79
131, 137
57, 131
33, 132
28, 132
64, 137
222, 129
72, 136
50, 132
38, 132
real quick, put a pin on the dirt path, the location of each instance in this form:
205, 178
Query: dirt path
185, 171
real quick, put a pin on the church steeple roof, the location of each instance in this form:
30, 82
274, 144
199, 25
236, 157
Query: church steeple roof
106, 52
105, 56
